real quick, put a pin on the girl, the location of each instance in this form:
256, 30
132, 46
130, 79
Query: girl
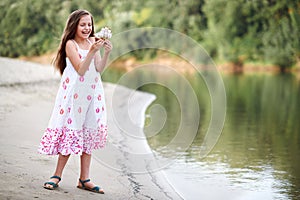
78, 122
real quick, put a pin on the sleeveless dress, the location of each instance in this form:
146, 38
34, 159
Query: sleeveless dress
78, 122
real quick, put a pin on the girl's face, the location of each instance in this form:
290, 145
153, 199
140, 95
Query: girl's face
84, 27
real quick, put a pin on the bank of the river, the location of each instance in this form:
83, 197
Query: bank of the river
179, 64
257, 154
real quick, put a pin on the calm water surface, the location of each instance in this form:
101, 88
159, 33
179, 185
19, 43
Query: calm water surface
258, 154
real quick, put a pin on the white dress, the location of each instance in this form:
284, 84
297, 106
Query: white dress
78, 122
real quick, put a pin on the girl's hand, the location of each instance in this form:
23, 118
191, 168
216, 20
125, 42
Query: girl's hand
108, 46
97, 45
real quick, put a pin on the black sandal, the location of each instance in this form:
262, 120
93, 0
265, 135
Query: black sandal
54, 185
95, 189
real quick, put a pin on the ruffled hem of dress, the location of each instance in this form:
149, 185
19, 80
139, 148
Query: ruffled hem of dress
66, 141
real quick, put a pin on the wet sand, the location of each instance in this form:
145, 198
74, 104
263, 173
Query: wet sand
27, 94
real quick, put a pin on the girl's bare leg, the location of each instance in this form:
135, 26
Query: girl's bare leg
85, 162
61, 163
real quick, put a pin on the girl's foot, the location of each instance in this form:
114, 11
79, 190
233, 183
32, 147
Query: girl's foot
88, 185
52, 183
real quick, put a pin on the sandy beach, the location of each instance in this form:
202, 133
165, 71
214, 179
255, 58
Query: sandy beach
27, 95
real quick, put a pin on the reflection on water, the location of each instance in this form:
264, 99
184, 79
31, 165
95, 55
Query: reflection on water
258, 153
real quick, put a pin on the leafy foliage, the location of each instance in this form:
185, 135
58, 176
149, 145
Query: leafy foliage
230, 30
263, 30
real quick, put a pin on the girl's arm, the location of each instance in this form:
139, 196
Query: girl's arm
81, 66
100, 63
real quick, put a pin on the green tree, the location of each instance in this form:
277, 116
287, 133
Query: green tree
281, 41
241, 30
230, 30
28, 28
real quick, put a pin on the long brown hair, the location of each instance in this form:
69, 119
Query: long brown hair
68, 34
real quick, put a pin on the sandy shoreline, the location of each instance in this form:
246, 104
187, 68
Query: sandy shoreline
27, 93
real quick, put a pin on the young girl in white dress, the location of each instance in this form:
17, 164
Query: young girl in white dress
78, 121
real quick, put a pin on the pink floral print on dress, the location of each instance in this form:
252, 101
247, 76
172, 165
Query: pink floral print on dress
78, 122
89, 97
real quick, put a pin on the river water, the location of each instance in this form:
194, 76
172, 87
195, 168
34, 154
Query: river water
257, 155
